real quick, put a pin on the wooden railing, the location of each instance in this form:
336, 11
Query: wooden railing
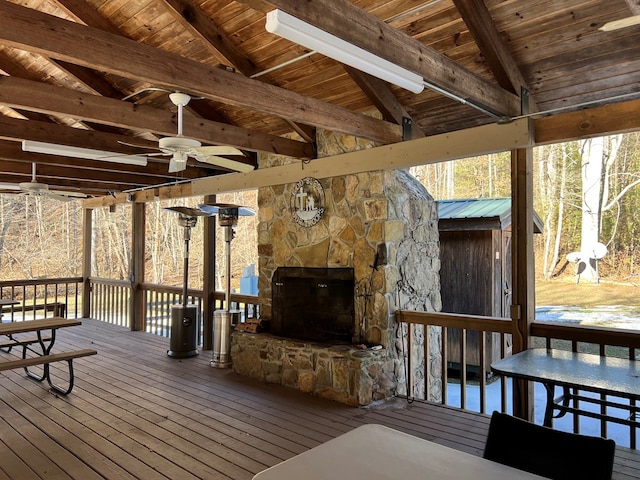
461, 325
481, 389
42, 298
110, 302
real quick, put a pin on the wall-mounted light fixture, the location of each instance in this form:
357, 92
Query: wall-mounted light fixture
87, 153
287, 26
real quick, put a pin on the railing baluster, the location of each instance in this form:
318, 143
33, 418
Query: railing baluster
444, 348
483, 372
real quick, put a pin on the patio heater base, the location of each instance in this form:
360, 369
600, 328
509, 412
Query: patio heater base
223, 323
184, 323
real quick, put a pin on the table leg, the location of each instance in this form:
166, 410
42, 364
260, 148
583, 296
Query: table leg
548, 411
46, 350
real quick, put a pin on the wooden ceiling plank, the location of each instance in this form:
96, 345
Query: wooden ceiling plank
46, 98
258, 5
354, 25
83, 12
203, 27
32, 30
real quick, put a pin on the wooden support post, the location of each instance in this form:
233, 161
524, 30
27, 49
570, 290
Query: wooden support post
523, 307
87, 228
137, 313
209, 281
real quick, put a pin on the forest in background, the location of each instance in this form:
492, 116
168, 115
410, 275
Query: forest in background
41, 237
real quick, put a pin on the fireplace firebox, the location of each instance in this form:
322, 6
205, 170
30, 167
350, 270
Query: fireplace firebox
315, 304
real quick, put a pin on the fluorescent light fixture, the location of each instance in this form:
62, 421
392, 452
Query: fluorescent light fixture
284, 25
622, 23
87, 153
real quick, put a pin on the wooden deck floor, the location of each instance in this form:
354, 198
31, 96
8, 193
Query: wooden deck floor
136, 413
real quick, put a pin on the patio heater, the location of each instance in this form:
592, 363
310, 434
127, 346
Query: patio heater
225, 319
183, 342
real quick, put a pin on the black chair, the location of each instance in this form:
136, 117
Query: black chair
547, 452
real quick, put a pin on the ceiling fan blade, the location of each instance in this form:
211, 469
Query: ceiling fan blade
225, 163
622, 23
78, 152
61, 198
136, 145
69, 194
218, 150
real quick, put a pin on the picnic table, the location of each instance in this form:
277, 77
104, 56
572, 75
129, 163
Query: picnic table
36, 350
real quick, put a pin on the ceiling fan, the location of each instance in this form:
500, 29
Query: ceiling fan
36, 188
181, 148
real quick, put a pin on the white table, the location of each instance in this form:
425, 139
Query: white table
378, 452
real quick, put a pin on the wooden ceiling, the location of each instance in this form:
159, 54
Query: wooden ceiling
94, 73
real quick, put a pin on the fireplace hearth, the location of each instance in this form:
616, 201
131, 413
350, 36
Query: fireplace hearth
315, 304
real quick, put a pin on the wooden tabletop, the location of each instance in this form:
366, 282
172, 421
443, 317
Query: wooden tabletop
376, 452
10, 328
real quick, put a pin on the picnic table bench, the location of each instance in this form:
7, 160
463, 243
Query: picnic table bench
42, 355
59, 309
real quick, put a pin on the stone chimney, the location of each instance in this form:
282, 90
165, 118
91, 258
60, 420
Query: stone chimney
384, 225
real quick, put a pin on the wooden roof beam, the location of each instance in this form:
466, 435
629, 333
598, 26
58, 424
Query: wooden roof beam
63, 167
478, 20
29, 29
384, 100
358, 27
47, 98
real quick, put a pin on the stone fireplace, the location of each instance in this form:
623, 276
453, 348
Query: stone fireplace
330, 290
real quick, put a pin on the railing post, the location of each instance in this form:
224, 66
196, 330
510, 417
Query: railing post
523, 308
137, 311
87, 228
209, 280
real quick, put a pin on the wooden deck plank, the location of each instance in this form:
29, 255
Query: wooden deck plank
136, 413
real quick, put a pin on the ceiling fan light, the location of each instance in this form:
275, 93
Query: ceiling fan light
86, 153
178, 162
287, 26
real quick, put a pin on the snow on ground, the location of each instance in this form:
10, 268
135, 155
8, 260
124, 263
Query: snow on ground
614, 316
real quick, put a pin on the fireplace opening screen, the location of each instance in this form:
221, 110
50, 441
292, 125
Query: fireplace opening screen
314, 304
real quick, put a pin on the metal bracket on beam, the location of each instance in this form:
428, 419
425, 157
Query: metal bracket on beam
524, 101
407, 125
